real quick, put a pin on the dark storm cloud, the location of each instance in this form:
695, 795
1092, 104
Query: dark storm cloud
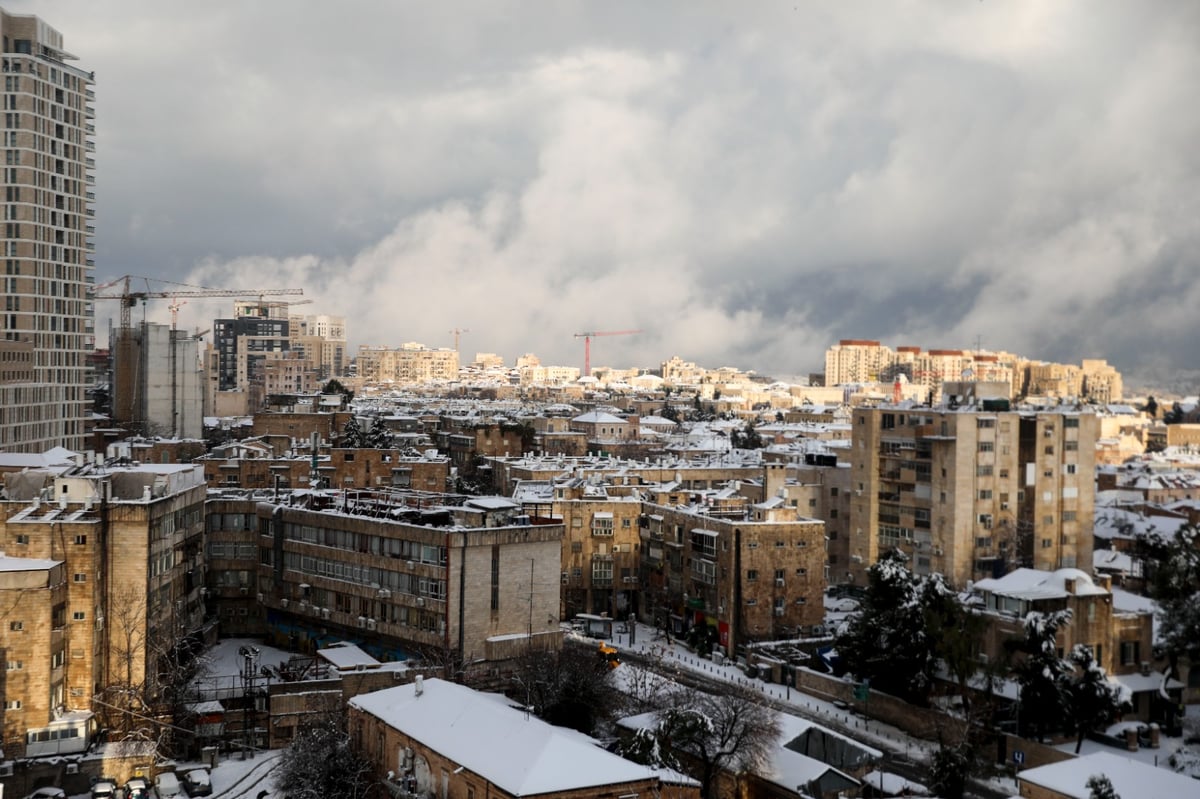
746, 184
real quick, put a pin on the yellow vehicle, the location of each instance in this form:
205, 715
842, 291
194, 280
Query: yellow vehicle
609, 654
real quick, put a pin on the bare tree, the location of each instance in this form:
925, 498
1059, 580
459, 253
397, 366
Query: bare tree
571, 687
707, 734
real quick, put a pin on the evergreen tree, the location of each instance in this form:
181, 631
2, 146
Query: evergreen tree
1092, 700
886, 642
1173, 566
336, 387
1042, 673
352, 435
1100, 787
379, 437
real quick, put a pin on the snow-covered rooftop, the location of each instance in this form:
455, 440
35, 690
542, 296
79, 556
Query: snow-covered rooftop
1033, 584
521, 754
1128, 777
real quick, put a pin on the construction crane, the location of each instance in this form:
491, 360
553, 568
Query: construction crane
457, 332
587, 344
129, 298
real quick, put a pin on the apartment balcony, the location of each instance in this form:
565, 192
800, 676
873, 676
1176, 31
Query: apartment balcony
90, 129
90, 94
90, 163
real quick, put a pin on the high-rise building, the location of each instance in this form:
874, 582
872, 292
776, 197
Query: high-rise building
974, 491
47, 240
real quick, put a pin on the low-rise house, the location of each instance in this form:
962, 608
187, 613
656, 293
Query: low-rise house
437, 737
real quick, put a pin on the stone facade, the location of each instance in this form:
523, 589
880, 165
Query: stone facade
971, 492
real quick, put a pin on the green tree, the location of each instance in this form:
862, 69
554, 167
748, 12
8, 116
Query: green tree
1172, 564
1092, 700
1100, 787
321, 763
887, 642
352, 435
949, 769
1042, 674
379, 437
336, 387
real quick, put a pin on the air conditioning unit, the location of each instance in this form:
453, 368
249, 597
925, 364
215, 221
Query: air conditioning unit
398, 675
616, 549
858, 492
303, 605
1145, 668
244, 590
324, 613
371, 624
362, 621
316, 610
939, 551
260, 597
420, 601
778, 611
384, 593
72, 768
779, 582
283, 603
6, 769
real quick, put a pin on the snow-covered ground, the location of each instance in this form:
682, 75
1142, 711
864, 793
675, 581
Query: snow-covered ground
1172, 753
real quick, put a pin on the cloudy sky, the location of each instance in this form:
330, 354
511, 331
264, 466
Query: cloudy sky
746, 183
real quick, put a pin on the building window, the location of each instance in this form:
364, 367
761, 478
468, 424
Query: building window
987, 446
752, 576
983, 471
1068, 516
495, 577
1071, 421
983, 424
985, 521
577, 546
1130, 652
14, 665
79, 615
16, 626
22, 539
1070, 468
985, 493
12, 704
81, 539
1047, 543
80, 577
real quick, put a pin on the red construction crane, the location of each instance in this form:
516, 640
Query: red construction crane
587, 344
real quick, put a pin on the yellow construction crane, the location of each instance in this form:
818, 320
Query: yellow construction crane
129, 298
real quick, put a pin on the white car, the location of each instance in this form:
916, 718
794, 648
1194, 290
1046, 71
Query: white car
48, 792
169, 787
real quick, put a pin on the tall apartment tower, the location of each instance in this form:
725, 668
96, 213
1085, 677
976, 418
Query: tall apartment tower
972, 492
46, 321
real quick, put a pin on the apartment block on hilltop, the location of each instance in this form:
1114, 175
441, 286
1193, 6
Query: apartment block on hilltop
105, 568
411, 364
48, 239
972, 492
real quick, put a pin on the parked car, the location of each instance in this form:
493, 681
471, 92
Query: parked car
137, 788
104, 789
48, 792
198, 782
168, 786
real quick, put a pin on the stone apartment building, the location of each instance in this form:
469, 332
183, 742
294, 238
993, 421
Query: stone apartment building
972, 492
116, 555
397, 574
1121, 640
749, 579
411, 364
259, 465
